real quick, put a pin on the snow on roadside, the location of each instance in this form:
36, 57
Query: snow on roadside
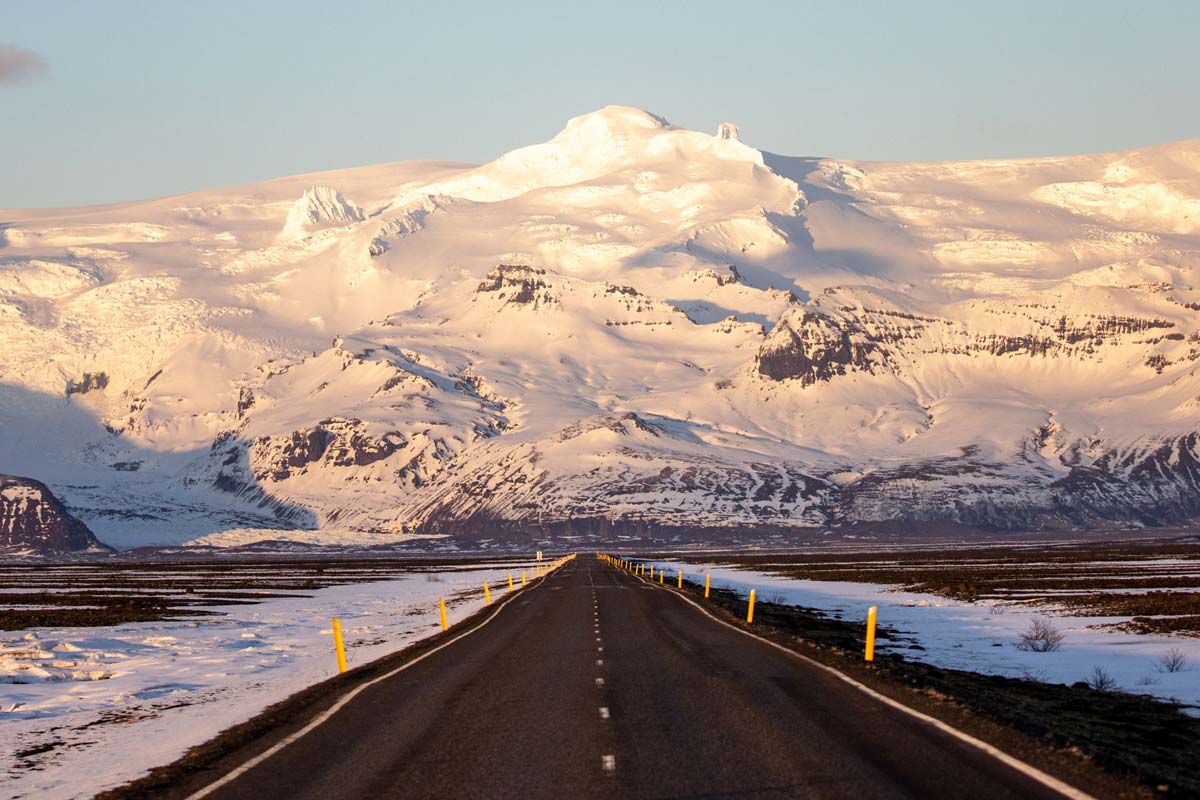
971, 636
97, 707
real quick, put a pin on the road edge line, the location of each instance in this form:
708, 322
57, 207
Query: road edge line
345, 699
1030, 771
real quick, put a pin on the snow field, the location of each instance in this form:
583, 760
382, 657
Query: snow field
974, 636
104, 705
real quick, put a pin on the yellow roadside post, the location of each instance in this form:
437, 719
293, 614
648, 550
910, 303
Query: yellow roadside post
869, 655
661, 572
442, 609
487, 595
750, 613
510, 586
651, 572
338, 646
707, 584
679, 584
522, 577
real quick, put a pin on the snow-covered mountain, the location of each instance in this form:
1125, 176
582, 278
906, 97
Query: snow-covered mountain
631, 327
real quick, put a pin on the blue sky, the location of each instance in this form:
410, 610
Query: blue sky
140, 99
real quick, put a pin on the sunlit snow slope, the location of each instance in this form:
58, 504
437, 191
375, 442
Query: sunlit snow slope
629, 328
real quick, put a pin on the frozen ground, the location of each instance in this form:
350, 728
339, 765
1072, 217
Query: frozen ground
971, 636
96, 707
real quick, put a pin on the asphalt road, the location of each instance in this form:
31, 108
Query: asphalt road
596, 684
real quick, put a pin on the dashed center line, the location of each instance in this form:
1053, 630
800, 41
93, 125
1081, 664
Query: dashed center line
599, 681
599, 662
604, 712
609, 763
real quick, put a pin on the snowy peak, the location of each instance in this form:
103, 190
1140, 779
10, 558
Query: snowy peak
614, 143
612, 122
319, 207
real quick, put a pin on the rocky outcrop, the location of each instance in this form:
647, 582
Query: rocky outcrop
33, 520
90, 382
518, 285
812, 347
335, 442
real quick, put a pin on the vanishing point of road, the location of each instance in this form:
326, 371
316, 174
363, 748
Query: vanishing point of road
596, 684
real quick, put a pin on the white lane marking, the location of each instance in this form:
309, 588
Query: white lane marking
599, 649
609, 763
599, 681
604, 712
598, 639
599, 662
1020, 766
237, 772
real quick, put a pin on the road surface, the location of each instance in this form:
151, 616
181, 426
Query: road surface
597, 684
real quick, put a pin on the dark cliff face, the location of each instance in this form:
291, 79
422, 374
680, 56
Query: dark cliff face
32, 519
812, 347
336, 442
90, 382
518, 285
